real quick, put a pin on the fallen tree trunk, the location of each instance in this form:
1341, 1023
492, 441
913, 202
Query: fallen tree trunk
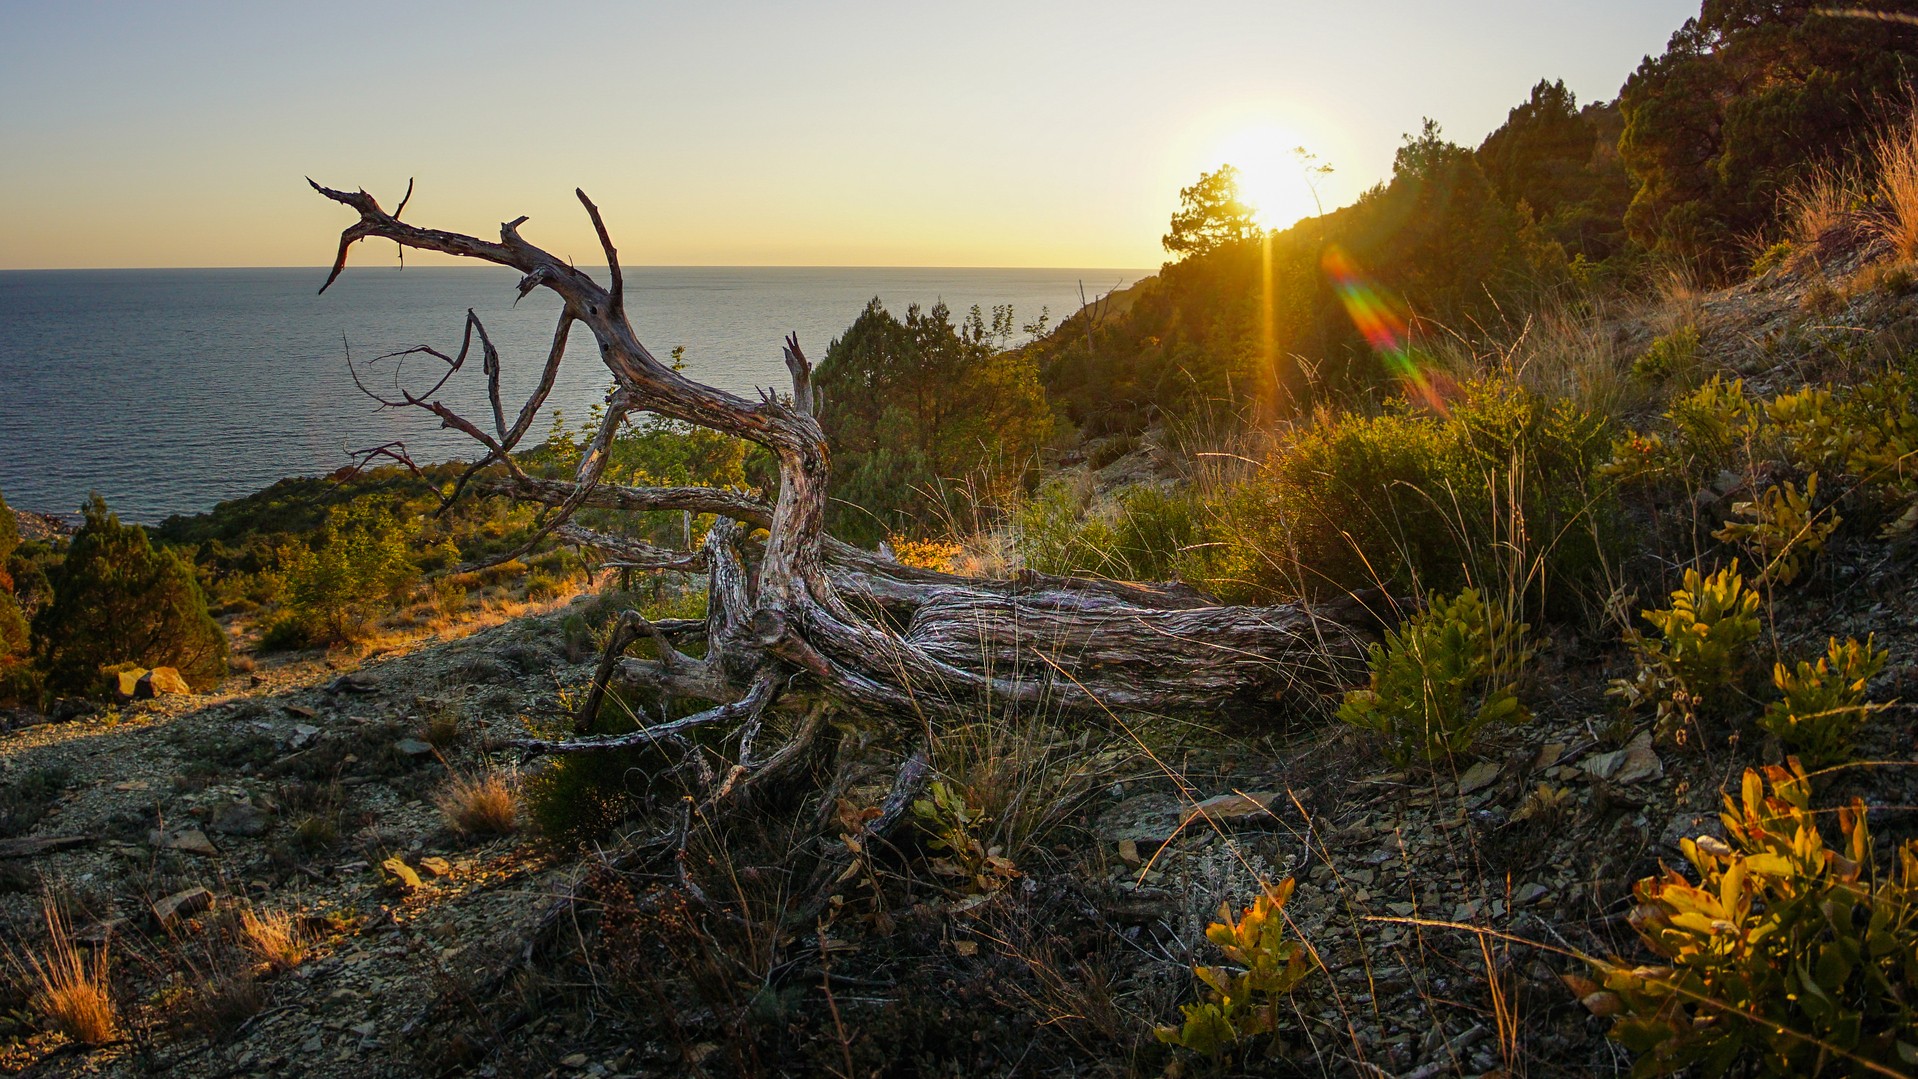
800, 617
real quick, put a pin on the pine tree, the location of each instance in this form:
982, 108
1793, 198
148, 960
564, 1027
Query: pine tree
118, 600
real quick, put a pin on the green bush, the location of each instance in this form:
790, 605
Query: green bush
118, 600
1868, 432
1441, 678
1788, 957
1701, 650
582, 797
1241, 1002
1671, 358
1823, 707
1146, 533
18, 680
1783, 531
360, 566
1415, 501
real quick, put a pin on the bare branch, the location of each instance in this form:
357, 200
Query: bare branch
612, 256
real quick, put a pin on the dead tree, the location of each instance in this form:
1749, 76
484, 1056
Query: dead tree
796, 617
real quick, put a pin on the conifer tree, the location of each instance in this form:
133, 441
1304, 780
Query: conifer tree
118, 600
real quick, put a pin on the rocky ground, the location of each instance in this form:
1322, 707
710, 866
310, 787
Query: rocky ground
1419, 891
285, 791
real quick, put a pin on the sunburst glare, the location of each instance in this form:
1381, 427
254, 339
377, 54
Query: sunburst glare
1274, 174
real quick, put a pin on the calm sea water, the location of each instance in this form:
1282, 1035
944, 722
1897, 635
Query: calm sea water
170, 390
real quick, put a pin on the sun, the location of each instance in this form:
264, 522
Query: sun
1272, 176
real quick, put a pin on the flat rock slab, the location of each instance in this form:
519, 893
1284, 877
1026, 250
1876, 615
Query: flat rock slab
182, 904
1636, 763
398, 874
1143, 818
1478, 777
1236, 808
37, 845
239, 818
190, 840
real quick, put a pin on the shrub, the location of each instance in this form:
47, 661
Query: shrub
1441, 678
118, 600
1712, 429
1700, 650
1783, 531
1055, 532
582, 797
1869, 432
924, 554
484, 804
1242, 1004
1787, 956
1771, 258
1671, 358
360, 565
449, 597
1823, 707
954, 826
1412, 500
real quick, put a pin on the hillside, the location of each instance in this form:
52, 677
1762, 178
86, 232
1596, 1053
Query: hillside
1465, 633
1442, 904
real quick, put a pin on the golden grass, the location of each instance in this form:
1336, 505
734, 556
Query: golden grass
1895, 217
72, 991
274, 937
483, 804
1821, 204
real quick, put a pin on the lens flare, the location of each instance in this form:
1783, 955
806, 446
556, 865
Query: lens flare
1378, 317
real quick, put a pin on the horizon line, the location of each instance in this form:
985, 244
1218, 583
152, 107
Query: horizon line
595, 266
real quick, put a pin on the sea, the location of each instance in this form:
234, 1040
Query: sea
169, 391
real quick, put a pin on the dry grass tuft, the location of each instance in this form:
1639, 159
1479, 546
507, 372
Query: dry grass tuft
1821, 211
72, 993
485, 804
1896, 216
274, 937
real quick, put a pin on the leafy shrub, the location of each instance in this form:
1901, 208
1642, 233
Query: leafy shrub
924, 554
1145, 533
1771, 258
1783, 531
1712, 428
118, 600
1242, 1004
1412, 500
1868, 432
582, 797
1824, 707
954, 825
1671, 358
1788, 956
1441, 678
334, 590
1700, 650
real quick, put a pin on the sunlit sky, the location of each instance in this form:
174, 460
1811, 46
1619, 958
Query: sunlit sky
734, 133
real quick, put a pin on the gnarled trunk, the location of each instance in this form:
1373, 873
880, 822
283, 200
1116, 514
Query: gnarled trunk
804, 617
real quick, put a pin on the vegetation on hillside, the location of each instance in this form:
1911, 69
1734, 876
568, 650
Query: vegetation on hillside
1603, 523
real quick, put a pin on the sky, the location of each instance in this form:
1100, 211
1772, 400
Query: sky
741, 133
